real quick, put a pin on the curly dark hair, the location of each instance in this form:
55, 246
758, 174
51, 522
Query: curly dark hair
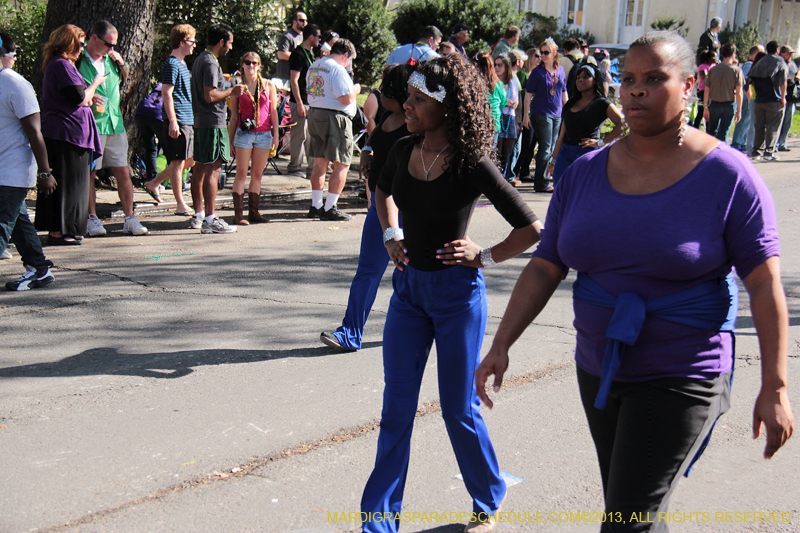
470, 124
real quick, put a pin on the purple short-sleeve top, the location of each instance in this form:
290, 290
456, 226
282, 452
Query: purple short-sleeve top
62, 120
718, 217
546, 91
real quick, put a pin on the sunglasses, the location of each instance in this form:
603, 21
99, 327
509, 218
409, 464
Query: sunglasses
108, 44
537, 56
248, 63
545, 52
302, 20
498, 65
12, 55
190, 41
81, 44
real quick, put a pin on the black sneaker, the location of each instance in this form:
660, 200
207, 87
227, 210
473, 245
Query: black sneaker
32, 279
784, 149
315, 212
333, 214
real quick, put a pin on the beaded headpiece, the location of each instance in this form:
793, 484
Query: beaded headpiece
417, 80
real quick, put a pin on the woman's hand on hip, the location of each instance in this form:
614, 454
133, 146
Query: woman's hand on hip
460, 252
495, 363
772, 409
397, 253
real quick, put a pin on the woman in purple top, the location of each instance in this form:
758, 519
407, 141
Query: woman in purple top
545, 95
652, 400
70, 133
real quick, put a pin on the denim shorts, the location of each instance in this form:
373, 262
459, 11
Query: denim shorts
249, 139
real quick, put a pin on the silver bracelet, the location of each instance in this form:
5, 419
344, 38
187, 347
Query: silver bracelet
601, 143
486, 258
367, 148
392, 233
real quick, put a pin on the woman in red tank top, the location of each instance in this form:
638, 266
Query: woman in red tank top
253, 132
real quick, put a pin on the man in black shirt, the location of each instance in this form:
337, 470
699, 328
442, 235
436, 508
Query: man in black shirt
299, 61
710, 38
287, 42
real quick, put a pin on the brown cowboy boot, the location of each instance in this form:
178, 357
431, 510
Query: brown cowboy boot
254, 201
238, 210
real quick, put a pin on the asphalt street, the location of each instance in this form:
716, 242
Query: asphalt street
175, 382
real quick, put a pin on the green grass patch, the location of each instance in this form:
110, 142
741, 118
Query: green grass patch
795, 125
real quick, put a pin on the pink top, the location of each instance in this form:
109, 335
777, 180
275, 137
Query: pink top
246, 111
705, 67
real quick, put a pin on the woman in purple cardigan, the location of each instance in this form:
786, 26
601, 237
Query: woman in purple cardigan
655, 299
70, 133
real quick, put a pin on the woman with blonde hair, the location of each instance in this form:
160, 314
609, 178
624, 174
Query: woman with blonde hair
253, 131
545, 95
70, 134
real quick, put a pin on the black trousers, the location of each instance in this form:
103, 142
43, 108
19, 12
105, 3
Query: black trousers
67, 209
646, 438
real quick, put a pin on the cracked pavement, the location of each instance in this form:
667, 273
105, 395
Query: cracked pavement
175, 382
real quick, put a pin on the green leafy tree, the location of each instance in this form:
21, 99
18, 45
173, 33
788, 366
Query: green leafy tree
23, 20
744, 37
487, 18
365, 23
255, 28
536, 28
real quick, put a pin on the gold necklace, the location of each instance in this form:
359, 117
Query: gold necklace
422, 157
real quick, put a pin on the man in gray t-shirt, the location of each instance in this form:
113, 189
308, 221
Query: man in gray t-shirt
211, 145
287, 42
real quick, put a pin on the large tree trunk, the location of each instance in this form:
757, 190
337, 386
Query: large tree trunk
134, 20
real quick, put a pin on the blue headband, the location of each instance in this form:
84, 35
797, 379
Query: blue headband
417, 80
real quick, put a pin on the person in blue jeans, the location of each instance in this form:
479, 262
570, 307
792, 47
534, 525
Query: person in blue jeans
434, 178
545, 95
582, 120
23, 152
373, 259
723, 94
744, 131
792, 80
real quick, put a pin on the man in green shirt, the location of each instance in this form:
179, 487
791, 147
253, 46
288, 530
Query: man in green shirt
100, 57
507, 43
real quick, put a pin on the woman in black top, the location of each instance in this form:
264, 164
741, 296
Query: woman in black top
581, 121
434, 179
373, 259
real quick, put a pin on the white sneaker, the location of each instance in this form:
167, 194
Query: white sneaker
133, 226
95, 228
6, 254
196, 223
217, 226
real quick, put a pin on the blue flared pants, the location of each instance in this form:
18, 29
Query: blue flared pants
372, 262
449, 307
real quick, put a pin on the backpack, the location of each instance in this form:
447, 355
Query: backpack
573, 73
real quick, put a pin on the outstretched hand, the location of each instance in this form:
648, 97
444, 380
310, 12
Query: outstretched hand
495, 363
772, 409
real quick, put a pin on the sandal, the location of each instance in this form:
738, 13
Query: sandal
63, 241
189, 213
153, 195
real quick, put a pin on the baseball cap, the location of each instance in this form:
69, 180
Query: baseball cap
517, 55
459, 27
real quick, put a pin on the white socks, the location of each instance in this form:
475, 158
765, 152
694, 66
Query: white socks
330, 201
316, 199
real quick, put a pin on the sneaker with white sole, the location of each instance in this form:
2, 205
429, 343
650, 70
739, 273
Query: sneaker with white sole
196, 223
217, 226
132, 226
32, 279
95, 228
6, 254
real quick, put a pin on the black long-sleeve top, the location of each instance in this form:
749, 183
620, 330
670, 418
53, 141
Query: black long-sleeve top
438, 211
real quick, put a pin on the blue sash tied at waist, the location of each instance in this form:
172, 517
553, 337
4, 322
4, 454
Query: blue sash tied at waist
711, 305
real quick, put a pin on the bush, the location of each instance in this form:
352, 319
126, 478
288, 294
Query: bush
744, 37
365, 23
678, 25
23, 21
487, 18
537, 28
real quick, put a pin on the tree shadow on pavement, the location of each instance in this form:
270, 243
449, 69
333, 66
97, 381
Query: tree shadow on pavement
110, 361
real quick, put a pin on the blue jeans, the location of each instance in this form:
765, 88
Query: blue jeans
150, 129
522, 167
720, 117
449, 307
15, 224
510, 172
372, 262
788, 115
545, 130
568, 154
742, 127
